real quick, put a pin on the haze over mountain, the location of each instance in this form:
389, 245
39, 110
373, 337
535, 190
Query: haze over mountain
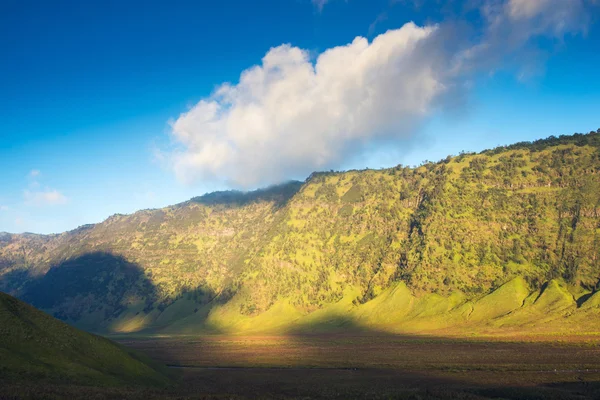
505, 239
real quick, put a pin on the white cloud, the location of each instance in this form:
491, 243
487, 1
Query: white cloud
33, 176
513, 26
319, 4
3, 208
34, 195
291, 115
49, 197
528, 9
523, 19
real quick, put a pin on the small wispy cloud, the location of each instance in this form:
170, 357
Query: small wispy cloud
33, 178
158, 155
3, 208
48, 197
37, 196
319, 4
380, 18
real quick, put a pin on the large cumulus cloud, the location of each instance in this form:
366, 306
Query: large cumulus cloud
292, 114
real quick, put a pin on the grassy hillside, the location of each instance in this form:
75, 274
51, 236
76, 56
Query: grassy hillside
436, 245
35, 346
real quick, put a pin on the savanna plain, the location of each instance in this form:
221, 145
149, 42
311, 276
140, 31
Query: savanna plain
360, 365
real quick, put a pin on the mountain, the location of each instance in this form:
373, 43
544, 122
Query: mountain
35, 346
508, 238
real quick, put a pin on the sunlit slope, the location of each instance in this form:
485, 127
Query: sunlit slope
34, 345
471, 240
513, 307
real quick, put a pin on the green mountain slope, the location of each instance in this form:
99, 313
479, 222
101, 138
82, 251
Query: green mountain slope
432, 245
34, 345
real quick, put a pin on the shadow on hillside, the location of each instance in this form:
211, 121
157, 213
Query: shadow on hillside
278, 194
93, 282
582, 299
12, 282
97, 291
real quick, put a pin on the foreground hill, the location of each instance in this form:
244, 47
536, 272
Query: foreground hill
505, 239
35, 346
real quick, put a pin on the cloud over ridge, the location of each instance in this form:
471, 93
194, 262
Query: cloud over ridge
291, 115
288, 114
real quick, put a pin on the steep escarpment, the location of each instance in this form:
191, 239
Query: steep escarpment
370, 247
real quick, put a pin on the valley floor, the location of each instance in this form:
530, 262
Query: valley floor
374, 366
344, 366
376, 351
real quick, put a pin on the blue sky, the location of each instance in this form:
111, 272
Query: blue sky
91, 96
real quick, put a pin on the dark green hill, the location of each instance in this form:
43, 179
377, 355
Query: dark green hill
35, 346
396, 248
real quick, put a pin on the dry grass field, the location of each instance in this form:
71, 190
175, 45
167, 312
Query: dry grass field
338, 366
375, 352
379, 366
